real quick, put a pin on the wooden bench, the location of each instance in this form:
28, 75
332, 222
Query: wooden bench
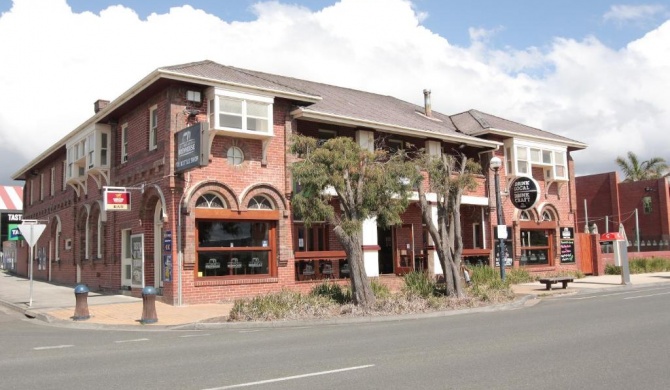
560, 279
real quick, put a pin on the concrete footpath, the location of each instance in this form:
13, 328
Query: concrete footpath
56, 304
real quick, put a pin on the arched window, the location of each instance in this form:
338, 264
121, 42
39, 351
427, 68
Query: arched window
210, 201
259, 203
524, 216
547, 215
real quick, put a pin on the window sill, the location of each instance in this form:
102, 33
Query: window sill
213, 281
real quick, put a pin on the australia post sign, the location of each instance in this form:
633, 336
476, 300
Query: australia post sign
118, 200
192, 147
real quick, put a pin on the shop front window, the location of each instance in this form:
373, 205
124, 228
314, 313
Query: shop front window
535, 248
235, 248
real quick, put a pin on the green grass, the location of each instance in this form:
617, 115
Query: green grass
419, 284
641, 266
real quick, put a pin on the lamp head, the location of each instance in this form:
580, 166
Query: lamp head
495, 163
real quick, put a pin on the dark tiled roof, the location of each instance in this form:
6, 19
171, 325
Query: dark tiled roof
335, 101
328, 100
475, 123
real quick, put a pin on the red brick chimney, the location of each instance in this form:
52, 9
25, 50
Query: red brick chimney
99, 105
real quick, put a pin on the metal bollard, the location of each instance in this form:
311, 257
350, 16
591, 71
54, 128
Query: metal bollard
149, 306
81, 308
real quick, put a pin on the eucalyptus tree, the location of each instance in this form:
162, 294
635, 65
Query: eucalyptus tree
449, 176
344, 185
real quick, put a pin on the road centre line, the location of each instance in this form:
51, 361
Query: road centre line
53, 347
648, 295
130, 341
291, 377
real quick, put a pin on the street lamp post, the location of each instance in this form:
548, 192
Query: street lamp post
495, 165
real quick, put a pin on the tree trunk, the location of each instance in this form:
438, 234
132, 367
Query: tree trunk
361, 289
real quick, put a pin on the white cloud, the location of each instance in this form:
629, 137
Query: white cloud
632, 13
615, 101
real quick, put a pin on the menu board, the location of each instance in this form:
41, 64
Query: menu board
567, 251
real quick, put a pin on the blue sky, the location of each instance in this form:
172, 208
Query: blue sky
515, 23
595, 71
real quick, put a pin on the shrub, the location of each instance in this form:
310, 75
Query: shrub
487, 285
420, 284
282, 305
380, 290
332, 291
611, 269
519, 275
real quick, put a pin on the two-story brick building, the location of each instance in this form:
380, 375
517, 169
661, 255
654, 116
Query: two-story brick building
202, 150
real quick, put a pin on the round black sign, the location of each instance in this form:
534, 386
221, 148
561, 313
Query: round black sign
524, 192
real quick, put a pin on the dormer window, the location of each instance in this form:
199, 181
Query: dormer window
88, 153
240, 114
521, 156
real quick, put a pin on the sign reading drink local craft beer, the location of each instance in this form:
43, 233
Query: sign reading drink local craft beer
118, 200
524, 192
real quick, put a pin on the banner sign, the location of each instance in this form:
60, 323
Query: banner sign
117, 200
524, 192
192, 147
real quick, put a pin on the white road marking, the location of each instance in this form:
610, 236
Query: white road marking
252, 331
646, 296
291, 377
52, 347
195, 335
613, 294
130, 341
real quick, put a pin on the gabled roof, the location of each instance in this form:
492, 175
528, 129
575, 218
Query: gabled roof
336, 104
320, 102
477, 123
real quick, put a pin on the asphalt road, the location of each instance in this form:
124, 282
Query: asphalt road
616, 339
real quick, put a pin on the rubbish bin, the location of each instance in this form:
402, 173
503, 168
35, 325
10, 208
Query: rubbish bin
81, 299
149, 306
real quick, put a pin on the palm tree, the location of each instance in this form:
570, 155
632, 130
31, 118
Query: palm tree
635, 170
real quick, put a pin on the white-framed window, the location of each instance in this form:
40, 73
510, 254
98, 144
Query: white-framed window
522, 166
124, 143
153, 127
210, 201
99, 236
90, 150
52, 182
235, 155
41, 186
57, 242
126, 258
240, 113
260, 202
32, 193
521, 156
477, 235
64, 183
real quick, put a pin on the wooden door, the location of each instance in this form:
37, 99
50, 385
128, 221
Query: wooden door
585, 243
403, 245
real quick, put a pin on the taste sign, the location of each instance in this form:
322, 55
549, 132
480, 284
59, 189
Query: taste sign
524, 192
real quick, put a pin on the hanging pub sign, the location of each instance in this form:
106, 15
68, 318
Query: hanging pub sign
117, 199
524, 192
192, 147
